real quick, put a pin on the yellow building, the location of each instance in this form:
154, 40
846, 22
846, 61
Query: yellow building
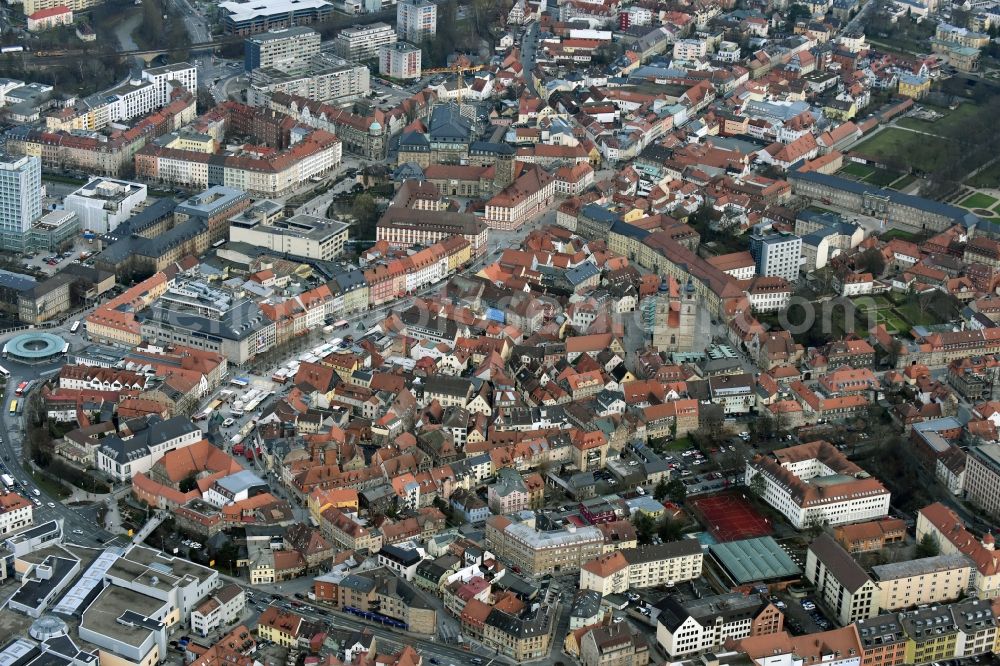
839, 109
912, 85
196, 141
931, 635
345, 499
928, 580
279, 626
459, 251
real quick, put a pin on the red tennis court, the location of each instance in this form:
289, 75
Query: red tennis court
730, 517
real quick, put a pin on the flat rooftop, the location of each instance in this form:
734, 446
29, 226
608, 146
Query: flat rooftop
102, 616
245, 11
922, 566
754, 559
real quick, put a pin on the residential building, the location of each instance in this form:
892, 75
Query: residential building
815, 483
362, 42
645, 566
509, 494
948, 531
279, 626
841, 584
34, 6
324, 78
927, 580
883, 642
282, 48
614, 645
693, 627
53, 17
416, 20
522, 636
399, 60
16, 513
221, 609
931, 634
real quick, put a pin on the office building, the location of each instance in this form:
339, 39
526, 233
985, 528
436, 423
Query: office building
196, 315
777, 255
982, 477
20, 198
301, 235
416, 20
250, 18
282, 48
815, 483
104, 203
122, 458
537, 553
362, 42
399, 61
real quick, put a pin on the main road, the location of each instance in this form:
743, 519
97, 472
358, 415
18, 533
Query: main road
79, 523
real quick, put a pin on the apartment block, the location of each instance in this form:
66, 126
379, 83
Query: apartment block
399, 61
281, 48
646, 566
362, 42
416, 20
928, 580
841, 584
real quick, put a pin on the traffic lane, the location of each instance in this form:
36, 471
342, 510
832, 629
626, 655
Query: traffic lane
72, 519
427, 648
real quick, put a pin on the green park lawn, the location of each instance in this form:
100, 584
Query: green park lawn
979, 200
858, 170
918, 150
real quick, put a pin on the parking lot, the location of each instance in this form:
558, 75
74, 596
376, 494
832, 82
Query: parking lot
51, 262
802, 616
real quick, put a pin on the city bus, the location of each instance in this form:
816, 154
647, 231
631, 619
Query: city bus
4, 372
75, 327
13, 406
21, 388
242, 382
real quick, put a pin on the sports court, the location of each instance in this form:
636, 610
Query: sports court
729, 517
